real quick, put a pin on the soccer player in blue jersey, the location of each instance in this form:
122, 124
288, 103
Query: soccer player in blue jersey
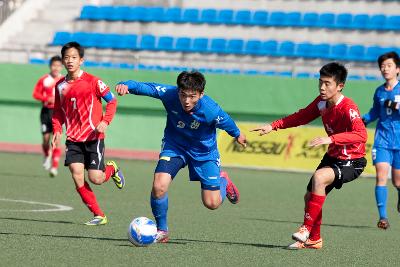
386, 149
189, 139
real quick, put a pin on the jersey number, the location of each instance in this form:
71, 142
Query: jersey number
389, 111
73, 99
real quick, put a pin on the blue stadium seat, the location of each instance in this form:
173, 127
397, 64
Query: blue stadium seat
148, 42
61, 38
309, 20
109, 41
269, 48
292, 19
252, 72
371, 78
343, 21
89, 63
320, 51
191, 15
260, 18
354, 77
126, 66
338, 52
326, 20
154, 14
393, 23
286, 49
208, 16
183, 44
235, 46
225, 16
136, 13
286, 74
38, 61
277, 18
165, 43
242, 17
173, 14
372, 53
83, 38
88, 12
200, 45
303, 75
128, 41
96, 39
377, 22
303, 50
360, 21
218, 45
269, 73
252, 47
104, 12
119, 13
356, 53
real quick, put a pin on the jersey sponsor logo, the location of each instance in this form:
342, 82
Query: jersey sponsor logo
161, 88
212, 177
397, 98
328, 128
194, 125
181, 124
102, 86
353, 114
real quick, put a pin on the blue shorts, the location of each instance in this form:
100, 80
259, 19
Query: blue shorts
207, 172
390, 156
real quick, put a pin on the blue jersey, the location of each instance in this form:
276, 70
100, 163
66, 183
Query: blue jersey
194, 132
387, 134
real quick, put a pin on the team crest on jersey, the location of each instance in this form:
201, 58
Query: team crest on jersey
353, 114
218, 119
195, 125
102, 86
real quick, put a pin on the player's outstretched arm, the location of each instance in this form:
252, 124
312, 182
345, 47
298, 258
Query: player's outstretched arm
262, 130
318, 141
121, 89
373, 113
138, 88
242, 140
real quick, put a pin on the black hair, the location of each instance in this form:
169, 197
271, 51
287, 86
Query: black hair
75, 45
54, 59
192, 80
393, 55
335, 70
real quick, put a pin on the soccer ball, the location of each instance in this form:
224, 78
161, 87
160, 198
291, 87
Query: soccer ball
142, 232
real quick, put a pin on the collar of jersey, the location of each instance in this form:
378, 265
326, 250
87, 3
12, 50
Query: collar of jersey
79, 76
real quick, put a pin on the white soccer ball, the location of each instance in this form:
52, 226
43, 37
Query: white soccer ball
142, 232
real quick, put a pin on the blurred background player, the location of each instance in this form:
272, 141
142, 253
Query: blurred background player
386, 149
78, 105
344, 160
44, 92
189, 139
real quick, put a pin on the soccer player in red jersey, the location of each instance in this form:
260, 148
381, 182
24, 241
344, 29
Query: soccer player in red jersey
78, 106
44, 92
344, 160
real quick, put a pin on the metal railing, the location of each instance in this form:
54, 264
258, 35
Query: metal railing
7, 7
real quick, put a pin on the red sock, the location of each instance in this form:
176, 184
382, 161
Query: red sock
315, 233
89, 198
46, 149
109, 172
56, 157
313, 208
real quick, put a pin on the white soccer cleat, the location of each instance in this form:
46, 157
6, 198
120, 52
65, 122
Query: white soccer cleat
47, 163
53, 172
302, 234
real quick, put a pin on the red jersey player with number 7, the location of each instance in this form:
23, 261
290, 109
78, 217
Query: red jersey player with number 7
344, 160
78, 106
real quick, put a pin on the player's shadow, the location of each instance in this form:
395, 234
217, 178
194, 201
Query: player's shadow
35, 220
66, 236
298, 223
184, 241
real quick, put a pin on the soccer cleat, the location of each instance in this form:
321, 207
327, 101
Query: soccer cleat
232, 193
118, 176
383, 224
97, 220
162, 236
317, 244
302, 234
47, 163
53, 172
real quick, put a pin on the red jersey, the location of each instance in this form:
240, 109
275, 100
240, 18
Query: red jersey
342, 123
78, 105
44, 90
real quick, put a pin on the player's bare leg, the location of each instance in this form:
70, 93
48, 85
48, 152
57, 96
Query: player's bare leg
211, 199
99, 177
46, 151
55, 158
159, 204
396, 183
87, 195
382, 172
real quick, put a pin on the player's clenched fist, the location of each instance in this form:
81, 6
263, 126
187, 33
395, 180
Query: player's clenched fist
241, 139
263, 129
121, 89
